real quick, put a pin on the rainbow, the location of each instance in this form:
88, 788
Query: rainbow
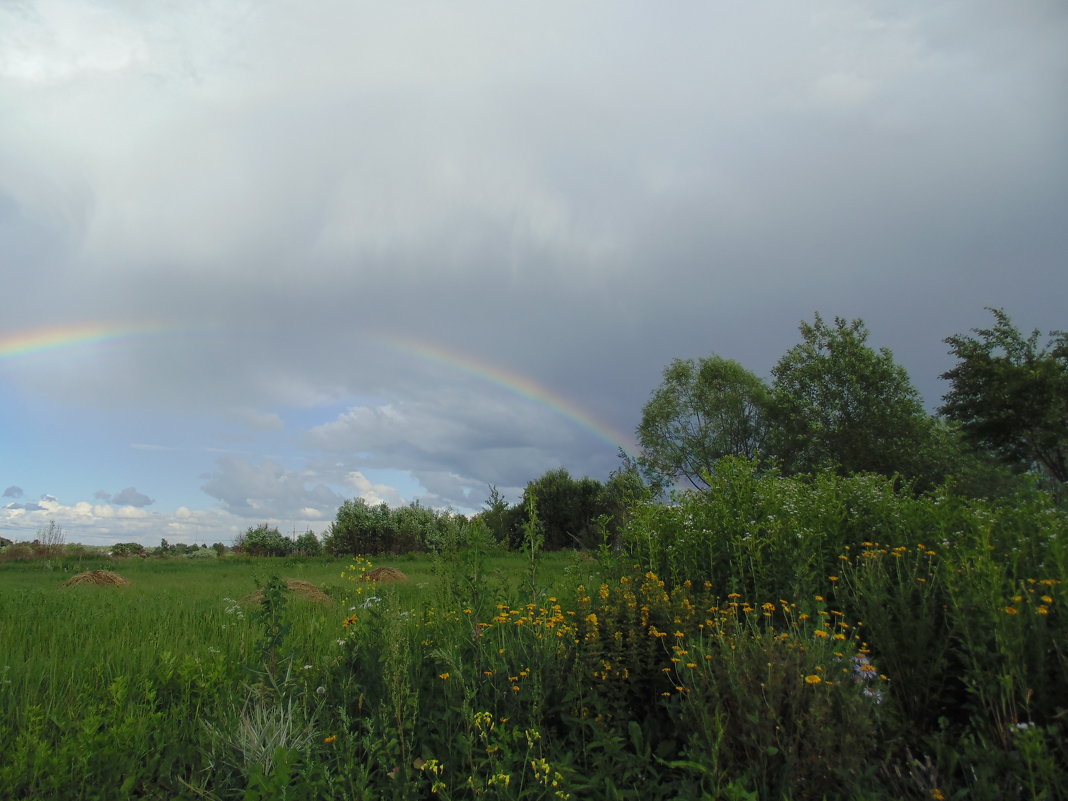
43, 340
515, 383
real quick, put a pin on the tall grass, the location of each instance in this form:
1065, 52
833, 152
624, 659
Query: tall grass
781, 638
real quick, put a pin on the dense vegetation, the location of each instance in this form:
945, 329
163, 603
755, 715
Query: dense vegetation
822, 616
837, 404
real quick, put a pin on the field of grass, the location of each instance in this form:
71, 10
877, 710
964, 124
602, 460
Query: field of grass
772, 638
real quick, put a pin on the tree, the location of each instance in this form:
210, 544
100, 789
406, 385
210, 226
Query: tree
702, 411
360, 529
623, 492
264, 540
839, 403
500, 518
1010, 396
417, 528
308, 544
568, 510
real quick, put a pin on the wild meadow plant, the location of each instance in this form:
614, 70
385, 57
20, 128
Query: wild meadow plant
956, 600
772, 637
622, 689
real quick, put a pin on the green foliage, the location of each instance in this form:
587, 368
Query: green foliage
500, 518
953, 599
461, 568
361, 528
1010, 396
839, 403
567, 510
271, 615
122, 549
264, 540
803, 637
572, 513
702, 411
308, 544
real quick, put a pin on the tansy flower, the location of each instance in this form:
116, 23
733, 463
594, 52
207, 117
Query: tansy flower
443, 676
330, 739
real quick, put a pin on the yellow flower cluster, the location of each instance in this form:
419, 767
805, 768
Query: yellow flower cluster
1039, 603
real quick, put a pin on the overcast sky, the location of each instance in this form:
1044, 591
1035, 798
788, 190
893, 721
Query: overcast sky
260, 257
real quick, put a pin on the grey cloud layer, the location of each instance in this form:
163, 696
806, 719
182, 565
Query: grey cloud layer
573, 194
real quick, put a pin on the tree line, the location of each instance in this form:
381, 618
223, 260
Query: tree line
834, 403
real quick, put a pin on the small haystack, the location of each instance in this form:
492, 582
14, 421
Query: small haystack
98, 577
384, 575
302, 588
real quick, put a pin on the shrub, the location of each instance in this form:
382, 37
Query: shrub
123, 549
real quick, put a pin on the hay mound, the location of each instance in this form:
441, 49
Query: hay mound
384, 574
97, 577
302, 588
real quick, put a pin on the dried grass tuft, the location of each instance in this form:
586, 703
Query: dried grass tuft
98, 577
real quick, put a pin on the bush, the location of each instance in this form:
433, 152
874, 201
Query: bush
956, 599
123, 549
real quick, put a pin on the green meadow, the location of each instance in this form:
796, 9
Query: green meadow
815, 637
